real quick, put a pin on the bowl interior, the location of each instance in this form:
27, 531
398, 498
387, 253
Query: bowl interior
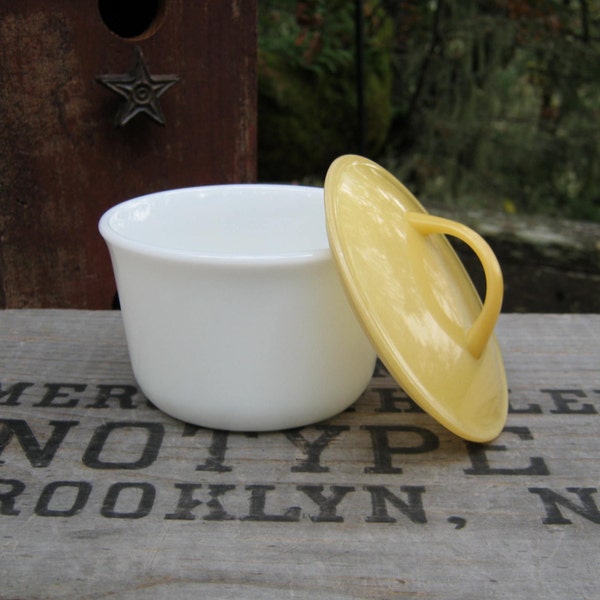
248, 220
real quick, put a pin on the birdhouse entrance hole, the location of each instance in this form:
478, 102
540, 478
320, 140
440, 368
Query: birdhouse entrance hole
132, 19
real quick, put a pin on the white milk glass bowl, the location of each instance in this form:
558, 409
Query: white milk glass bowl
234, 313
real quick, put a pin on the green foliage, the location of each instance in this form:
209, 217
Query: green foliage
492, 103
499, 104
309, 36
307, 84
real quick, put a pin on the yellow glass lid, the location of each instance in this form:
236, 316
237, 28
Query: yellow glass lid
415, 299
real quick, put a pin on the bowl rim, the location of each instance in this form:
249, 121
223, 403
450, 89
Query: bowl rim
115, 239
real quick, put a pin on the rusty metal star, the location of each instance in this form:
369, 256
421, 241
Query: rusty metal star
140, 90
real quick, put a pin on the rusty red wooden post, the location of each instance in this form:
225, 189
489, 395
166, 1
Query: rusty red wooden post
71, 145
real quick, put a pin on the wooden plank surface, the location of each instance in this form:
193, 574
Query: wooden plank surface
103, 496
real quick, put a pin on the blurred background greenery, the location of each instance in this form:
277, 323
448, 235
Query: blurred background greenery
488, 104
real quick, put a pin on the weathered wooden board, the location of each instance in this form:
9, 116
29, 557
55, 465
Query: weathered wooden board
102, 495
63, 161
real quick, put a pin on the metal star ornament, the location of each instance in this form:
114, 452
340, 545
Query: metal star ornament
140, 90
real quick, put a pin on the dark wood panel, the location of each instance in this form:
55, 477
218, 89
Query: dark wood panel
62, 160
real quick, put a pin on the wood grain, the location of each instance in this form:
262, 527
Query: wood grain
62, 160
101, 495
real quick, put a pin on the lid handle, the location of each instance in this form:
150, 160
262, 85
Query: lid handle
480, 332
